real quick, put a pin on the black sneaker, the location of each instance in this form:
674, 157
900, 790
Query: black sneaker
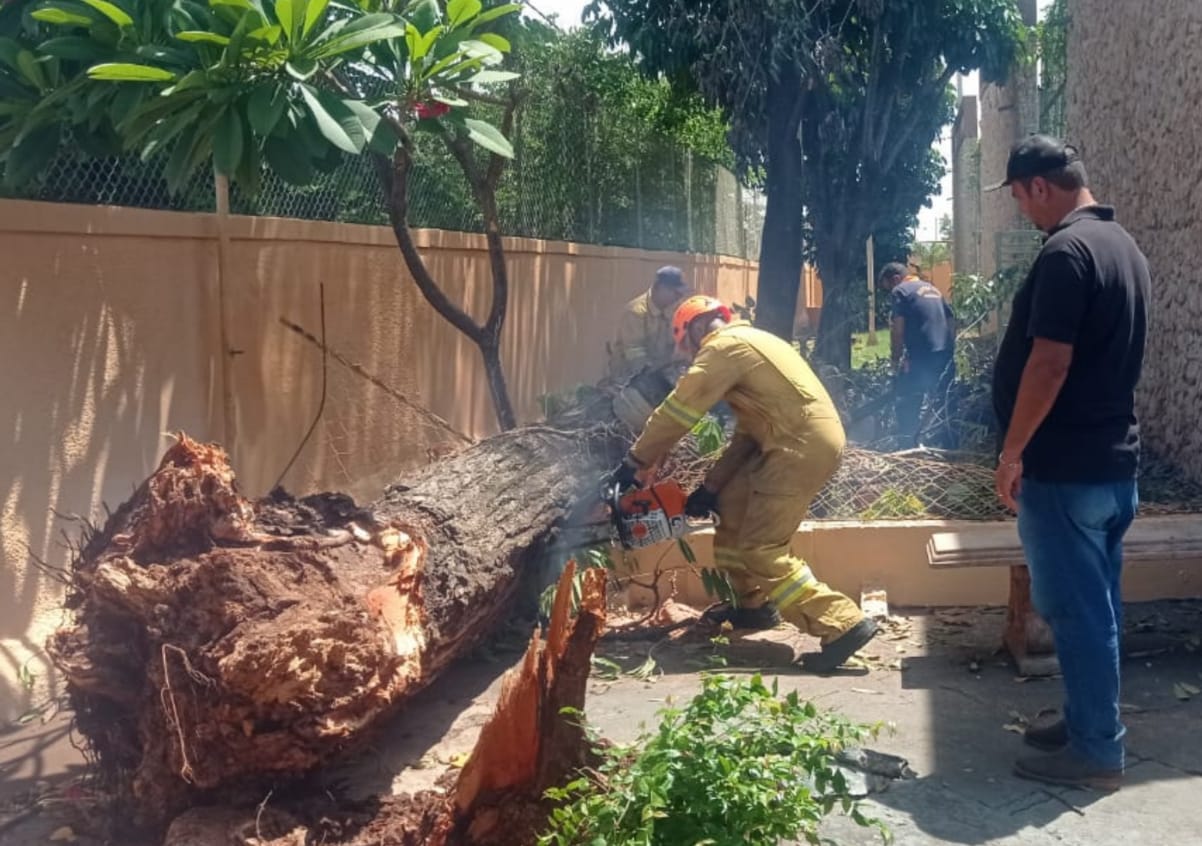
1047, 738
1068, 769
762, 618
840, 649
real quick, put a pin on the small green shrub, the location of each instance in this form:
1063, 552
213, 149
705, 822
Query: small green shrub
739, 766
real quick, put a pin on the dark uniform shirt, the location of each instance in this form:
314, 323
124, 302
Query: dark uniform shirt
1089, 287
929, 325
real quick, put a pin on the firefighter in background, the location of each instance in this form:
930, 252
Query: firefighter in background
923, 349
787, 443
645, 333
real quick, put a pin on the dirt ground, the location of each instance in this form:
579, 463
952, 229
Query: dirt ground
951, 702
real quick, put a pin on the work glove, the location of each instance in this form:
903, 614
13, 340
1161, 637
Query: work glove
701, 503
625, 477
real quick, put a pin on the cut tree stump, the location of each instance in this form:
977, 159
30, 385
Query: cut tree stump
532, 742
1028, 637
220, 645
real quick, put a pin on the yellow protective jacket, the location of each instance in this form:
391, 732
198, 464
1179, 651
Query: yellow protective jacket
644, 338
777, 399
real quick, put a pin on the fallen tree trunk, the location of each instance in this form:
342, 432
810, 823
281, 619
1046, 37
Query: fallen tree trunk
220, 644
532, 742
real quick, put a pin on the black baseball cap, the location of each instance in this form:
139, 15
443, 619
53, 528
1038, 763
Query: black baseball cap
671, 276
1034, 156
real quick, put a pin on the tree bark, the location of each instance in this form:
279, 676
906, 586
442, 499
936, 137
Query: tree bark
836, 262
220, 645
486, 336
781, 248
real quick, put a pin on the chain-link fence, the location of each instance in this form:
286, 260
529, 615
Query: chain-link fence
560, 186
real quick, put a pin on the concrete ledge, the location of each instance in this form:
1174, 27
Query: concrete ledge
893, 555
1151, 540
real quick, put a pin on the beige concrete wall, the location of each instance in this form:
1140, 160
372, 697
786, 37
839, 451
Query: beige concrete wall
108, 341
1134, 84
564, 303
111, 337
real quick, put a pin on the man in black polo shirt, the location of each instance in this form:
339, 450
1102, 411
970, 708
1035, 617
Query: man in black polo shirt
923, 346
1064, 391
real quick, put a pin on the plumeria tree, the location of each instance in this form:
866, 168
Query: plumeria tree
286, 85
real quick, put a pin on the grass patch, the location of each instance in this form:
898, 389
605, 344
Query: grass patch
863, 353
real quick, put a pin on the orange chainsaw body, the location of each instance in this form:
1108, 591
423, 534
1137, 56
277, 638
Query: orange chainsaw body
650, 515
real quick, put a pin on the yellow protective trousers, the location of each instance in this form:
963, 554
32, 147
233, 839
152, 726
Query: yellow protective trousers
760, 507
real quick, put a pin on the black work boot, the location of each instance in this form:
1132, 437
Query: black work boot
1069, 769
1051, 737
841, 648
763, 617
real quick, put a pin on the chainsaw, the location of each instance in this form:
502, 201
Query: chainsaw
641, 517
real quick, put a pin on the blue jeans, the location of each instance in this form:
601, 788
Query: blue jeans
1072, 535
928, 380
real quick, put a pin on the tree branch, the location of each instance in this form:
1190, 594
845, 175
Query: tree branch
918, 110
396, 181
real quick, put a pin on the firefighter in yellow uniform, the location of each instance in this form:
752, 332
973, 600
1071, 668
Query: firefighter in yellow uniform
645, 332
787, 443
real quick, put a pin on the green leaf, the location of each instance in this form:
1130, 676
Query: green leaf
489, 137
368, 117
31, 155
478, 49
301, 68
265, 107
127, 72
31, 70
266, 34
313, 13
460, 11
198, 36
288, 160
285, 13
496, 12
338, 124
449, 99
233, 55
500, 42
360, 32
189, 81
166, 55
418, 51
424, 14
114, 13
227, 142
74, 47
488, 77
59, 17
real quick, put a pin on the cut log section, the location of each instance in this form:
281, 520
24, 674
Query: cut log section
531, 742
220, 644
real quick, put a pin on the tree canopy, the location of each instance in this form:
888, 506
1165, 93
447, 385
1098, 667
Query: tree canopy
864, 85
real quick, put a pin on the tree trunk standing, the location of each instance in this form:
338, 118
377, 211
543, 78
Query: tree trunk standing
837, 261
221, 645
781, 249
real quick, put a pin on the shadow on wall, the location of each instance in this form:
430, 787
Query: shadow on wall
103, 355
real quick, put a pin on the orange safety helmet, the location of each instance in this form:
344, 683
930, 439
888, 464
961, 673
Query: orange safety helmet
690, 310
